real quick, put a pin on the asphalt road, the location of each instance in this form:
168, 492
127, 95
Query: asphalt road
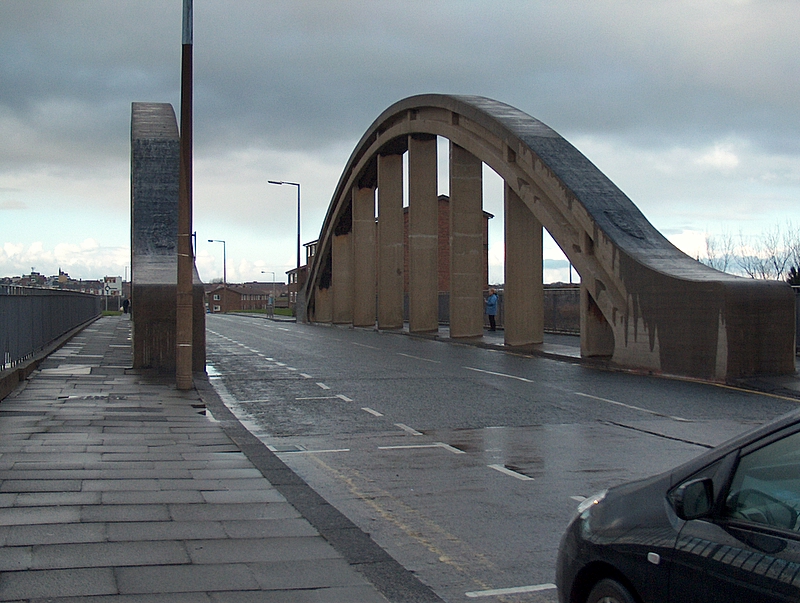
463, 463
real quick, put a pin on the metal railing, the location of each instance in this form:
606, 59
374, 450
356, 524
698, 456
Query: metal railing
31, 319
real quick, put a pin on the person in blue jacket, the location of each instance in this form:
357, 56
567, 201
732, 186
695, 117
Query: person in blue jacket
491, 309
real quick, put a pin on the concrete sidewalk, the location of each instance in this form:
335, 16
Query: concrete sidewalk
117, 487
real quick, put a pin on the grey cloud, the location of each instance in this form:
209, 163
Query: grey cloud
310, 73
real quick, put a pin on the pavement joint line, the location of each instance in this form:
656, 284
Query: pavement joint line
510, 472
632, 407
419, 358
477, 370
509, 591
408, 429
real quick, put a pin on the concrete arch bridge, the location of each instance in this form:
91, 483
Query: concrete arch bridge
644, 303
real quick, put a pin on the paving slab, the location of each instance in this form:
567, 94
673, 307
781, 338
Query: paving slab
117, 487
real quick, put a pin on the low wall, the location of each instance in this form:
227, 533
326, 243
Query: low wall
562, 306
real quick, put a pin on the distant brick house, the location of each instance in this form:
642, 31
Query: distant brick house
247, 296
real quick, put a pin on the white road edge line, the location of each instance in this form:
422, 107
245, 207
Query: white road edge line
306, 376
323, 386
408, 429
477, 370
361, 345
630, 406
374, 413
345, 398
419, 358
318, 398
450, 448
417, 446
511, 473
509, 591
314, 451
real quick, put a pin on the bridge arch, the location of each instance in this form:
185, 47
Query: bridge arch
644, 303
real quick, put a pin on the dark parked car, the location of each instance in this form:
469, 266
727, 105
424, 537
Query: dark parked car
721, 528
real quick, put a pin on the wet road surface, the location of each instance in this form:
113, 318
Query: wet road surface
465, 464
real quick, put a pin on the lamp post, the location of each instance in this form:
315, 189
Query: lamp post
298, 225
273, 285
224, 261
184, 327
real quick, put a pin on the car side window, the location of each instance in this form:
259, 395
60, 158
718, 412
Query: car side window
766, 486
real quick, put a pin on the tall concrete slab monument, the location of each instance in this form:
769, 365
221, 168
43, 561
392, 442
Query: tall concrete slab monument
155, 146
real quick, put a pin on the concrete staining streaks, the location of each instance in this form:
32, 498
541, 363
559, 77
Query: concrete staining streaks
644, 303
154, 241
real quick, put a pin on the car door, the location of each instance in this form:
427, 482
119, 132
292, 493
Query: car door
748, 549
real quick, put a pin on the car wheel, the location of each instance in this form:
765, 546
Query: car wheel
610, 591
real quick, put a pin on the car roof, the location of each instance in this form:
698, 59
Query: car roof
739, 441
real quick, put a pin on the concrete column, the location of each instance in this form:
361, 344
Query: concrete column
342, 278
523, 296
466, 243
364, 257
423, 235
390, 242
597, 337
323, 305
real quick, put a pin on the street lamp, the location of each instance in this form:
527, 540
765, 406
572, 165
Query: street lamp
298, 221
273, 285
224, 261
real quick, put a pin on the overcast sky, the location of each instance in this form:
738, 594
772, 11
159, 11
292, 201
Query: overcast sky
691, 108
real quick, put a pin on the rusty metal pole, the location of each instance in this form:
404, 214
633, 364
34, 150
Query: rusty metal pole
183, 355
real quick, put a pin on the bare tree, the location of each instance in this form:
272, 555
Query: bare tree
769, 255
793, 246
720, 251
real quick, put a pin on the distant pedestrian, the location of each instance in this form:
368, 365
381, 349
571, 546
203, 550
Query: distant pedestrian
491, 309
126, 303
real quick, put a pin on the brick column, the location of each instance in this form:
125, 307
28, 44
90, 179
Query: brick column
523, 296
423, 235
466, 244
